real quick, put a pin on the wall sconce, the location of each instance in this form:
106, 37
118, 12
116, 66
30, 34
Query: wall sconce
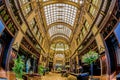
81, 1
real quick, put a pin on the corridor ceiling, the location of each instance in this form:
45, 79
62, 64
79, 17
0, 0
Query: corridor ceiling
60, 18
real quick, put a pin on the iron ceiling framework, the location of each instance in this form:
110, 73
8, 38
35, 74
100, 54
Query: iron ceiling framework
60, 17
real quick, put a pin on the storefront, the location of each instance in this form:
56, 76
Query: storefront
30, 61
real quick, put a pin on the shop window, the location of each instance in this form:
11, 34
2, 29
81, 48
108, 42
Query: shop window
99, 20
41, 39
38, 35
92, 11
24, 1
107, 30
28, 65
11, 27
104, 5
15, 11
87, 25
35, 29
78, 40
81, 36
28, 9
32, 23
84, 31
95, 2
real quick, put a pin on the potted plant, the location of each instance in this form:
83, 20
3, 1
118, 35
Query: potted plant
18, 67
41, 69
89, 58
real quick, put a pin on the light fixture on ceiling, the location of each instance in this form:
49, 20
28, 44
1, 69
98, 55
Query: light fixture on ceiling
81, 1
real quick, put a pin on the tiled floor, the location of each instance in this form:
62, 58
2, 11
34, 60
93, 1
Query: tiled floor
53, 76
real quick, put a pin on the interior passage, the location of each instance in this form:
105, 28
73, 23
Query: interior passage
59, 39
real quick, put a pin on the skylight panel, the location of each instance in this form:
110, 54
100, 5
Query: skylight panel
60, 13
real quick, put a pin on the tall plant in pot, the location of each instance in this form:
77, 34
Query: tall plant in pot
41, 69
89, 58
18, 67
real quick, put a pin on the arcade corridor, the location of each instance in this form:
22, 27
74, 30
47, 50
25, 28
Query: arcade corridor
59, 39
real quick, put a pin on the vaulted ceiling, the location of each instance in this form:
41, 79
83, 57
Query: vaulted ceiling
60, 18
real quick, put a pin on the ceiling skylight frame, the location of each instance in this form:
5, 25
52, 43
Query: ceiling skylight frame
59, 35
60, 29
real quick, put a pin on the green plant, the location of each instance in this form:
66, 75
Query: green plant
90, 57
41, 69
18, 67
59, 69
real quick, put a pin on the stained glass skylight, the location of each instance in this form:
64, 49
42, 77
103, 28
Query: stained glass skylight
59, 29
60, 12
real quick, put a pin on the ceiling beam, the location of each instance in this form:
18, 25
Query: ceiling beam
60, 23
60, 36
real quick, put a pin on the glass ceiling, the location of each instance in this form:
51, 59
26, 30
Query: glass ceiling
59, 29
60, 12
